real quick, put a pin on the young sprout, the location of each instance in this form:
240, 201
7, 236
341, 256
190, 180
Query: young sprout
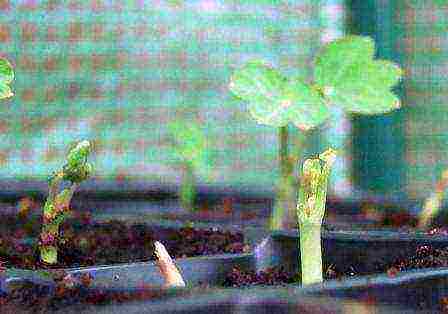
433, 204
310, 213
190, 145
6, 77
345, 75
56, 207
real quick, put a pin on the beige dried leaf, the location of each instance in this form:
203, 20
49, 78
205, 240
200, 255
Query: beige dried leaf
169, 271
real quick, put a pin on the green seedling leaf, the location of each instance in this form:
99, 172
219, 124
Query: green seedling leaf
78, 154
348, 76
190, 143
77, 168
275, 101
6, 77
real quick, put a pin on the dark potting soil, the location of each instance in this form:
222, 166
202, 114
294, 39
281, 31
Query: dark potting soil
269, 277
424, 256
30, 297
83, 243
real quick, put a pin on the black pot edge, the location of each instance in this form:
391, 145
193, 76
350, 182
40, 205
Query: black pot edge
207, 262
318, 297
335, 291
254, 235
213, 267
103, 189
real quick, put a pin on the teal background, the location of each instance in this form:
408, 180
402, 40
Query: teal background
116, 72
404, 153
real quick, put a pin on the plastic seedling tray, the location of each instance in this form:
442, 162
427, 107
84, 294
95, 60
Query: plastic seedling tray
422, 289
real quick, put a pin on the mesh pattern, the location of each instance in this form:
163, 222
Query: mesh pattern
116, 72
424, 48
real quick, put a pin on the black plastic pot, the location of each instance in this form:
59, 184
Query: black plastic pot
129, 278
210, 269
239, 301
407, 292
369, 251
270, 249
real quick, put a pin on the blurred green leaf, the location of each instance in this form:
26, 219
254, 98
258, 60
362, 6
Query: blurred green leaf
257, 81
190, 143
6, 77
348, 76
77, 168
275, 101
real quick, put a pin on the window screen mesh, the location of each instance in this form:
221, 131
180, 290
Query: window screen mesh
423, 45
116, 72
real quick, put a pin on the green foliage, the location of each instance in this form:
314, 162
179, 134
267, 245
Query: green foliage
310, 212
274, 100
419, 3
190, 144
77, 168
6, 77
348, 76
56, 207
345, 74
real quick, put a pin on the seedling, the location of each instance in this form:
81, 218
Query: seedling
310, 213
433, 204
190, 146
6, 77
56, 208
345, 75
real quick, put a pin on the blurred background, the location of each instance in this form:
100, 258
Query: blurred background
118, 72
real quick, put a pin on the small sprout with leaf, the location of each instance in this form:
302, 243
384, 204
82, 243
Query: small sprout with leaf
345, 74
190, 146
57, 205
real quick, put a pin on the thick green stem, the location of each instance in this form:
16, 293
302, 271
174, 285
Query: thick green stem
55, 211
284, 166
57, 205
310, 213
310, 252
284, 188
188, 188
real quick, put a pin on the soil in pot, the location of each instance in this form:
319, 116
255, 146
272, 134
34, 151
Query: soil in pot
84, 243
68, 292
425, 256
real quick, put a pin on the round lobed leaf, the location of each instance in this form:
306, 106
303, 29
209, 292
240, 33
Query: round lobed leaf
367, 101
6, 77
336, 57
257, 81
353, 80
275, 101
190, 144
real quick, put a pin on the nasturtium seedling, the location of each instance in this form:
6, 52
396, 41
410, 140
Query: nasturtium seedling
349, 77
273, 100
6, 77
311, 211
57, 205
190, 145
77, 168
345, 74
